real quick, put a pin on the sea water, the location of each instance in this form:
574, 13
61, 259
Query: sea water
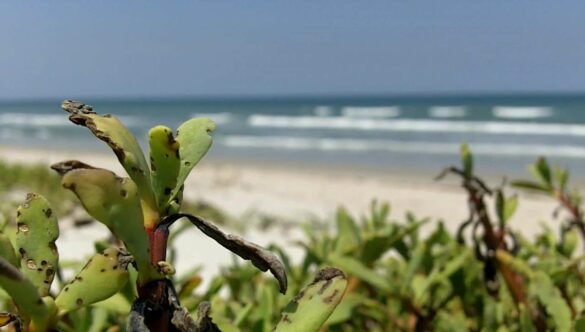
414, 133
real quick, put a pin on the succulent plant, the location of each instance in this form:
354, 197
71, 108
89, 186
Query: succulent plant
138, 210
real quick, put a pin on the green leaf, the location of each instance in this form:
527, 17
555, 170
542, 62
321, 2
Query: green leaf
265, 307
561, 177
529, 185
356, 268
103, 276
505, 207
113, 201
24, 294
164, 165
309, 310
544, 290
541, 171
194, 142
7, 251
569, 242
346, 309
415, 261
510, 207
116, 303
518, 265
111, 130
347, 232
37, 231
466, 160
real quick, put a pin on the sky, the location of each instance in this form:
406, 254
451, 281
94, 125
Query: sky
73, 49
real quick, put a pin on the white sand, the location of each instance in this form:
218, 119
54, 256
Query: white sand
294, 193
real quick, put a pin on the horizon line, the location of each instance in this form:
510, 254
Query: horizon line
307, 96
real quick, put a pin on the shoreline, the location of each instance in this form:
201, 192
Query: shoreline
295, 194
240, 186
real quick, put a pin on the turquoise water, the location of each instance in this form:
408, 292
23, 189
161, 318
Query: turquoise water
407, 133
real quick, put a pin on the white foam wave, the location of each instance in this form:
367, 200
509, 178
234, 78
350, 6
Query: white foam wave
364, 145
323, 110
508, 112
408, 125
447, 112
370, 111
219, 118
52, 120
33, 120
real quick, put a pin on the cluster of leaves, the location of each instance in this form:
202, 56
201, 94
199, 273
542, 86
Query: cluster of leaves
403, 276
399, 276
138, 211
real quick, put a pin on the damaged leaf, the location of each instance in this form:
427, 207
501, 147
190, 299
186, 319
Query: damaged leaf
260, 257
164, 165
102, 277
24, 293
111, 130
315, 303
113, 201
36, 233
194, 142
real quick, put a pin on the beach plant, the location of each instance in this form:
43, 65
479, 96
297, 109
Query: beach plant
139, 212
403, 276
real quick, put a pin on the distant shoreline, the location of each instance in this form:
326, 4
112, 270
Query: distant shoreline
295, 191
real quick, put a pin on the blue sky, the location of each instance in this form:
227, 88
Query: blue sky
73, 49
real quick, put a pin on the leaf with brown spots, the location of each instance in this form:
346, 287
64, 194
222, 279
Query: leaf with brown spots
102, 277
36, 233
113, 201
164, 165
24, 294
111, 130
309, 310
194, 142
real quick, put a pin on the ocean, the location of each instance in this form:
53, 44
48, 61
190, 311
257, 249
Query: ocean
393, 134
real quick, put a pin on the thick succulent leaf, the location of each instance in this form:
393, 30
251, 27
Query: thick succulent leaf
346, 308
260, 257
314, 304
37, 231
194, 142
102, 277
111, 130
113, 201
164, 165
24, 294
7, 251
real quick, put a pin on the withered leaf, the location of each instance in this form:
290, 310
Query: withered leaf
260, 257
